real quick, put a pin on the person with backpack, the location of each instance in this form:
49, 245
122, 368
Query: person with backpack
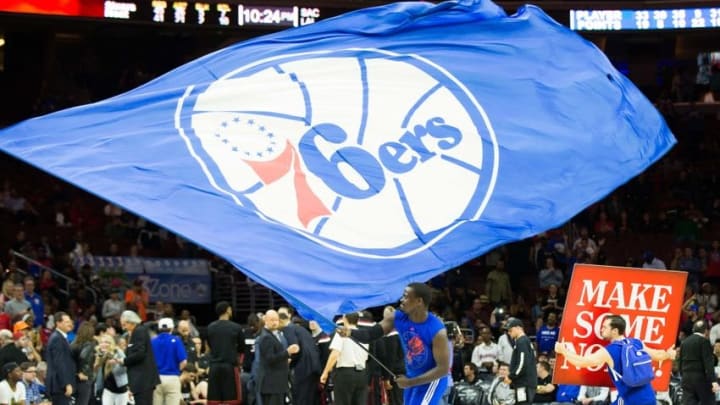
633, 383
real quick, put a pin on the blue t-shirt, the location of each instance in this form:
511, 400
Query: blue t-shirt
416, 340
169, 352
38, 308
546, 338
642, 395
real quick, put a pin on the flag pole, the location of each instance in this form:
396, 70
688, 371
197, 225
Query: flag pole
380, 363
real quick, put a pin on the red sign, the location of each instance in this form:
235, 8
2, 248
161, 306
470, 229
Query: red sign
649, 300
75, 8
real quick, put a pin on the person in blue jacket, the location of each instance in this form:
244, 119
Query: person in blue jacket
613, 329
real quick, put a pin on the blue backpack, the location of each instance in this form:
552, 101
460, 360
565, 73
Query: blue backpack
636, 365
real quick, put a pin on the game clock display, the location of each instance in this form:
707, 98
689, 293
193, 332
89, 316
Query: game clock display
213, 13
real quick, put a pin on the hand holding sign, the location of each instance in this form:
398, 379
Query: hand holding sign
672, 353
561, 347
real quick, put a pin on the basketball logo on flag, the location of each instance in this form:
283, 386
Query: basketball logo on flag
367, 152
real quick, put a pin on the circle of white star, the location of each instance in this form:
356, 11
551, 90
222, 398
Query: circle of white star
248, 138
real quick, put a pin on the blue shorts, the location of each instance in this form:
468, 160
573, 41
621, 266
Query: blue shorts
427, 394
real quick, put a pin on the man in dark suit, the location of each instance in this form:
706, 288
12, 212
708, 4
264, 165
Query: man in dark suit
305, 365
273, 367
139, 359
697, 368
61, 368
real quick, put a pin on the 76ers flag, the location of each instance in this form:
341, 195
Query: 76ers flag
339, 161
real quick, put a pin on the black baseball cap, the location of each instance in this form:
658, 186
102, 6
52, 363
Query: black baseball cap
513, 322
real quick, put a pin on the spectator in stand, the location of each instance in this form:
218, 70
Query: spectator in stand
647, 224
185, 315
8, 291
156, 311
15, 347
652, 262
497, 285
480, 311
33, 392
5, 321
713, 263
604, 225
689, 263
714, 335
546, 390
548, 334
188, 379
18, 306
47, 282
550, 274
486, 353
708, 298
584, 243
677, 255
113, 306
686, 229
35, 300
500, 392
80, 255
702, 256
194, 392
471, 377
138, 298
203, 357
183, 330
589, 395
12, 391
536, 312
33, 346
553, 301
41, 376
623, 226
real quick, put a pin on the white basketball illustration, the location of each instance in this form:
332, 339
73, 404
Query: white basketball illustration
368, 152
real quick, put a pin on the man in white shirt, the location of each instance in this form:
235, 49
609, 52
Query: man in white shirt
349, 361
486, 353
12, 391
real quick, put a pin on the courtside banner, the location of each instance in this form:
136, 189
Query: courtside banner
649, 300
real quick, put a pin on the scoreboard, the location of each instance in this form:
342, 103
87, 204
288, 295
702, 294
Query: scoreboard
657, 19
212, 13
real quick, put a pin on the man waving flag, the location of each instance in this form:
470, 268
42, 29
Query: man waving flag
339, 161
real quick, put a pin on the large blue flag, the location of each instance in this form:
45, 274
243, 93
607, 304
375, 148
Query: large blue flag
337, 162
